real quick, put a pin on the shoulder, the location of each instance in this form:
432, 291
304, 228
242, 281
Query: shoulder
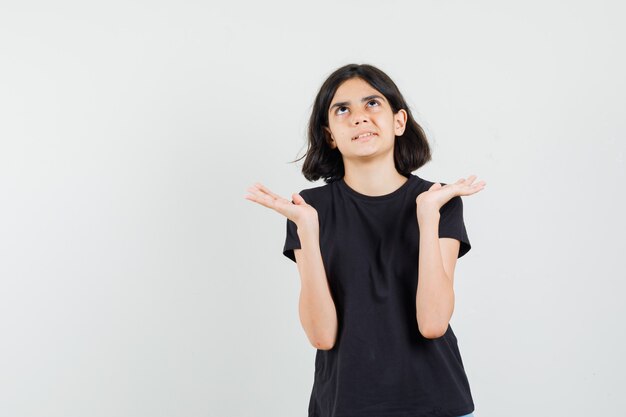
319, 194
428, 183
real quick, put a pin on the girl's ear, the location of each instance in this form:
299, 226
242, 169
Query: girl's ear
400, 122
329, 138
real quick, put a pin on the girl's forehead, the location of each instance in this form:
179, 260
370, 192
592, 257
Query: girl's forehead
355, 86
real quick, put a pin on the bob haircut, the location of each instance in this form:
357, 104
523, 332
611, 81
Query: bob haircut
411, 150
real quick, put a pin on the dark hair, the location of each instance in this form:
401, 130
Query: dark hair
410, 153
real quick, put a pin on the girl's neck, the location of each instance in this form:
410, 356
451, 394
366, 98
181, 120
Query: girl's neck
374, 182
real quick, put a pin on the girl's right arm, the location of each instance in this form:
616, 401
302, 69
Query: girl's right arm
317, 308
318, 315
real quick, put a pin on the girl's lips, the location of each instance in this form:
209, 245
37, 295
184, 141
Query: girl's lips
364, 138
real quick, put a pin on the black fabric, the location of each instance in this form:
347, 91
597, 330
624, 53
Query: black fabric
381, 365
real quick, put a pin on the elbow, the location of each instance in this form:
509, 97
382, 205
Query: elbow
323, 344
325, 339
432, 332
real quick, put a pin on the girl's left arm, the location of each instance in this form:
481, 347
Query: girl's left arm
434, 300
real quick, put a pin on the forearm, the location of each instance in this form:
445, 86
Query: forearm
318, 315
435, 293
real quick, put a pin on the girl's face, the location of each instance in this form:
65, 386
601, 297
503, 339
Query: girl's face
358, 108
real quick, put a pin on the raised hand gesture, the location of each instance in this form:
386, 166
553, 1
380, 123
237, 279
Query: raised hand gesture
437, 195
298, 212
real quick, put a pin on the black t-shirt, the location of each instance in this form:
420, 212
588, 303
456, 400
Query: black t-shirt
381, 365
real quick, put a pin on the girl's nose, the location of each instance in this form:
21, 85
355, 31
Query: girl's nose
359, 117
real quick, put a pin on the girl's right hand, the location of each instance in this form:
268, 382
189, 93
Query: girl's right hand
298, 212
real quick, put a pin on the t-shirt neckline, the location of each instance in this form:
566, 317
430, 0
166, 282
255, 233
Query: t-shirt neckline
383, 197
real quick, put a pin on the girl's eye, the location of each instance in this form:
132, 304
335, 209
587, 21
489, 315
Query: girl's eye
344, 107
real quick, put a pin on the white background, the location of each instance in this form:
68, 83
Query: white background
135, 279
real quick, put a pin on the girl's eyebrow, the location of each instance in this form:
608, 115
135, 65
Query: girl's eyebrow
343, 103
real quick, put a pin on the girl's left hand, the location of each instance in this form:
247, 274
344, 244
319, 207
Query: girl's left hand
431, 201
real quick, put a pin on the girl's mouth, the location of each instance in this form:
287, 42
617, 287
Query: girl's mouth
365, 137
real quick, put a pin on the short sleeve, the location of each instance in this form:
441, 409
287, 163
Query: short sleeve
451, 223
292, 241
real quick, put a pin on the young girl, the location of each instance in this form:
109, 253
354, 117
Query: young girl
376, 248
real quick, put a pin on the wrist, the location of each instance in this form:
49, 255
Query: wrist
308, 227
427, 217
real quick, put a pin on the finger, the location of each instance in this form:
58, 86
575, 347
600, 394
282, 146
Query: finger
256, 190
479, 184
263, 192
474, 188
297, 198
471, 179
266, 190
262, 198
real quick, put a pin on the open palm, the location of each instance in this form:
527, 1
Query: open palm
298, 211
437, 195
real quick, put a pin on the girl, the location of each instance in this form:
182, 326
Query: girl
376, 248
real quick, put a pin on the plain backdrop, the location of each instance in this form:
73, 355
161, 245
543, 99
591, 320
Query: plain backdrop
135, 279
